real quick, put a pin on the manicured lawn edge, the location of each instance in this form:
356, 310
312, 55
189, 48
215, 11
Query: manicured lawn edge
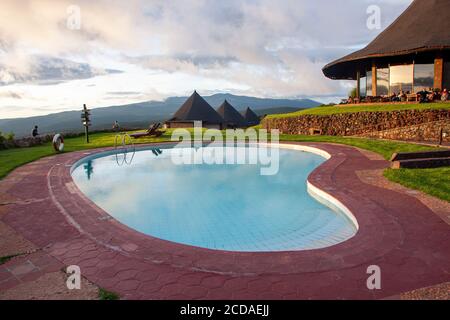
339, 109
435, 182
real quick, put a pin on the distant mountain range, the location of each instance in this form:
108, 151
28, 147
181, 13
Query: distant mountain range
140, 115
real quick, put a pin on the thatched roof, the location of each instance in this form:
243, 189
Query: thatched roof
423, 27
197, 109
230, 115
251, 118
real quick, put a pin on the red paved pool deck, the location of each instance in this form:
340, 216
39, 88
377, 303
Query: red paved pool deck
409, 242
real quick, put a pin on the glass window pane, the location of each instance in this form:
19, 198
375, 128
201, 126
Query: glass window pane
369, 83
362, 86
446, 84
423, 77
401, 78
383, 82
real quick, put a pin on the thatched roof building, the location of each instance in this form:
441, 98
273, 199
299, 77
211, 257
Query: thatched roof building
231, 117
195, 109
411, 54
251, 118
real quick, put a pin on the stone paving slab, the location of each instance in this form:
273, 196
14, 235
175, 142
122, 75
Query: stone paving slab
398, 232
11, 243
50, 286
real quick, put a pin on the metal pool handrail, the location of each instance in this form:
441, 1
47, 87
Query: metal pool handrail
124, 149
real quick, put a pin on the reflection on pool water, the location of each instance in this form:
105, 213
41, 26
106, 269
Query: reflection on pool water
224, 207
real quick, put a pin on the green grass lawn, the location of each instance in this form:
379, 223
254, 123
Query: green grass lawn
13, 158
329, 110
431, 181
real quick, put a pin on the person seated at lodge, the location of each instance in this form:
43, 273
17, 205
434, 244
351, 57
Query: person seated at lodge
444, 95
430, 95
434, 95
422, 96
395, 97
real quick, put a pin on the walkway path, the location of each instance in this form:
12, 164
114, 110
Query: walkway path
407, 236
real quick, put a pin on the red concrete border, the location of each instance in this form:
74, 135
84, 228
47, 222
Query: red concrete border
396, 231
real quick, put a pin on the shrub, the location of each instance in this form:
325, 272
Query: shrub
10, 137
104, 294
2, 141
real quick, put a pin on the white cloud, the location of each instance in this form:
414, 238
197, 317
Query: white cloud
48, 70
257, 47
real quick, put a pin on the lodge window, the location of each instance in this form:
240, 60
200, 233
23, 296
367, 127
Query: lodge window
423, 77
401, 78
362, 87
383, 82
369, 83
406, 78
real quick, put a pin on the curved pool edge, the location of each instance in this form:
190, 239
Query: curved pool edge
320, 195
136, 244
331, 202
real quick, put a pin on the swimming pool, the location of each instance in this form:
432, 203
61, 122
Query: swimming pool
219, 206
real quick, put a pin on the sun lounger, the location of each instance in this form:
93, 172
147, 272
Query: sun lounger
152, 131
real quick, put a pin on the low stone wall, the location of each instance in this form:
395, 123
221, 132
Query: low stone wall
358, 123
429, 132
25, 142
45, 138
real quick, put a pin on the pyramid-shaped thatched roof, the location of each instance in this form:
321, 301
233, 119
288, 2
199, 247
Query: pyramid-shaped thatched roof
251, 118
423, 27
230, 115
197, 109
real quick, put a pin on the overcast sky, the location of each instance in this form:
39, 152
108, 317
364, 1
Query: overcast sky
120, 52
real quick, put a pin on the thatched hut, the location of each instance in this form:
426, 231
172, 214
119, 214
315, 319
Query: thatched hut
195, 109
251, 118
231, 117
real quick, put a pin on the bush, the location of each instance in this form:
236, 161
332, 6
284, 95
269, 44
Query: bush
10, 137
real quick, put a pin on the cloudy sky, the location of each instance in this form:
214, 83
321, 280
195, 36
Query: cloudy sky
57, 55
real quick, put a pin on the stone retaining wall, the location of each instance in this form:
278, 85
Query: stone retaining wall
358, 123
422, 132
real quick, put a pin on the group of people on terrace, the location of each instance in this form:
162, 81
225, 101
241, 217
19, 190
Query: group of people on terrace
422, 96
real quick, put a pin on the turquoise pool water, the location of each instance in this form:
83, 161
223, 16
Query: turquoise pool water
223, 207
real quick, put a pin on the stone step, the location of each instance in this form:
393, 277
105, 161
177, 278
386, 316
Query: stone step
421, 155
421, 163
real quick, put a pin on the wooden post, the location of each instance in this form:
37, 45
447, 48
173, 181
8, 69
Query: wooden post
358, 84
85, 118
374, 80
86, 132
438, 72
